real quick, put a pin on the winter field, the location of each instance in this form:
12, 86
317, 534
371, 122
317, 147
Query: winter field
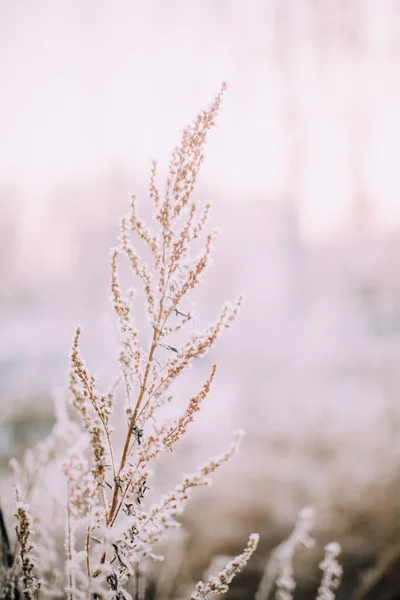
139, 335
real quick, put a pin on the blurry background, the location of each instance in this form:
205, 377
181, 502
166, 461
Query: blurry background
302, 172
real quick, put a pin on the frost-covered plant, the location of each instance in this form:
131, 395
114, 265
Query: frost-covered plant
111, 529
332, 572
279, 569
219, 584
26, 550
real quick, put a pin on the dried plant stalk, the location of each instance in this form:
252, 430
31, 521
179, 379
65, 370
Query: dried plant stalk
111, 531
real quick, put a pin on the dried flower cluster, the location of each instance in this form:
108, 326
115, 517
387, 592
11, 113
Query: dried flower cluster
279, 572
111, 530
219, 584
26, 551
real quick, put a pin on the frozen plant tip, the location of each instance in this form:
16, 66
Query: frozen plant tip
26, 550
279, 569
332, 572
219, 584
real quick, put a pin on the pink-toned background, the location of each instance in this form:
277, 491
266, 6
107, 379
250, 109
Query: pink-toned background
302, 172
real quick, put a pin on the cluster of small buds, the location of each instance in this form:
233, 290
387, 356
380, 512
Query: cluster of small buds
180, 246
219, 584
105, 406
185, 318
209, 467
332, 572
138, 267
82, 489
121, 304
162, 515
153, 191
130, 354
179, 429
131, 484
188, 156
153, 444
26, 550
94, 410
202, 222
193, 277
138, 226
199, 344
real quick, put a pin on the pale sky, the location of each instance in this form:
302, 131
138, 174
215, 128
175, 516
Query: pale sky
89, 85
